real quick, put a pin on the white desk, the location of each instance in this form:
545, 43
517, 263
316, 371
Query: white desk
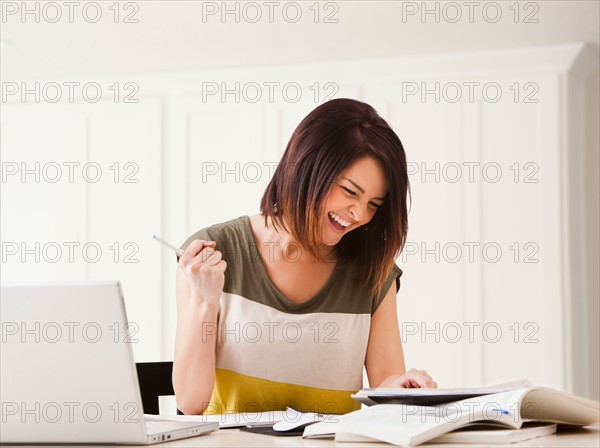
580, 437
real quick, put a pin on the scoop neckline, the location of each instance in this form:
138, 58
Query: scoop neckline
263, 271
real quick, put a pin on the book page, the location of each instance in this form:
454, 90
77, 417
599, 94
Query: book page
546, 404
410, 425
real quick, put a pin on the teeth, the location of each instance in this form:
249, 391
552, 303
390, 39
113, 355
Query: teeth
338, 219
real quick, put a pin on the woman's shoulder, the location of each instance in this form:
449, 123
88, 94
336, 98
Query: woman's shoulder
354, 291
228, 232
396, 271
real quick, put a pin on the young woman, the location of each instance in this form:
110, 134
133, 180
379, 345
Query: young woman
286, 307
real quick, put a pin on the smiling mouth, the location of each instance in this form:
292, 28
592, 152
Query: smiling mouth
338, 226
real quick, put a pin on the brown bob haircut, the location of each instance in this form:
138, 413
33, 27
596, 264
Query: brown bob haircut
328, 140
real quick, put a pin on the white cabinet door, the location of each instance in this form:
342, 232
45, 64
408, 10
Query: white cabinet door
86, 201
481, 293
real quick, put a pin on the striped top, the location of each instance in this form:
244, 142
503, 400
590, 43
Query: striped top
272, 353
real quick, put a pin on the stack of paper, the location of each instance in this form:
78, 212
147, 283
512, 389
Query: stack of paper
414, 423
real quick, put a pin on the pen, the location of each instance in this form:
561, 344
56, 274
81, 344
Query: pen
503, 411
177, 250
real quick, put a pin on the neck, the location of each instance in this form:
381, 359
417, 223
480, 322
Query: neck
290, 246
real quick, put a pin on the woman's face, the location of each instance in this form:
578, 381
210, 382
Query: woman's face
353, 199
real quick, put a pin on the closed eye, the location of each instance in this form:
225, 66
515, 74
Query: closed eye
352, 193
349, 191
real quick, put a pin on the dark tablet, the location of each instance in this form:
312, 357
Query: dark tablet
422, 400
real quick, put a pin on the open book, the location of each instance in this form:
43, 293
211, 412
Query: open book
484, 435
409, 424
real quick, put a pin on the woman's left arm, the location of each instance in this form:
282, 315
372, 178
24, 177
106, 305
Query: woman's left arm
385, 358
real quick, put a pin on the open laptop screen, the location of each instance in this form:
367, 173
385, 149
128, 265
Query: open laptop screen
67, 368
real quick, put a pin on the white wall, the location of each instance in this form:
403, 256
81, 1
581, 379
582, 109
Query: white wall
178, 35
592, 187
173, 135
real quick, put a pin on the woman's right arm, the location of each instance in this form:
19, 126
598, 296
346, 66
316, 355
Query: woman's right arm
200, 281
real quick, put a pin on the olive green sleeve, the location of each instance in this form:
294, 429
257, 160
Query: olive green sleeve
395, 274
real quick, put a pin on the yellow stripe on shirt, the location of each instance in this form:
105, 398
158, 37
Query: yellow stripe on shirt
235, 393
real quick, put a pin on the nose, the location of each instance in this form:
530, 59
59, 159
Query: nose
356, 212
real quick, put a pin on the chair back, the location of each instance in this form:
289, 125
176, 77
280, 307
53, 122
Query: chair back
155, 381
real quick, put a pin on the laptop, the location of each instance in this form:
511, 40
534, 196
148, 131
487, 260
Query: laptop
67, 373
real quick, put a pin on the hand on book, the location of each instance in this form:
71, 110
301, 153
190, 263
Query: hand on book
412, 378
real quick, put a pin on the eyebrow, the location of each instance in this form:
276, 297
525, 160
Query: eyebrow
359, 188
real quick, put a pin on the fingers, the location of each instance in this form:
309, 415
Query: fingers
412, 379
420, 378
210, 256
193, 249
417, 380
201, 253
